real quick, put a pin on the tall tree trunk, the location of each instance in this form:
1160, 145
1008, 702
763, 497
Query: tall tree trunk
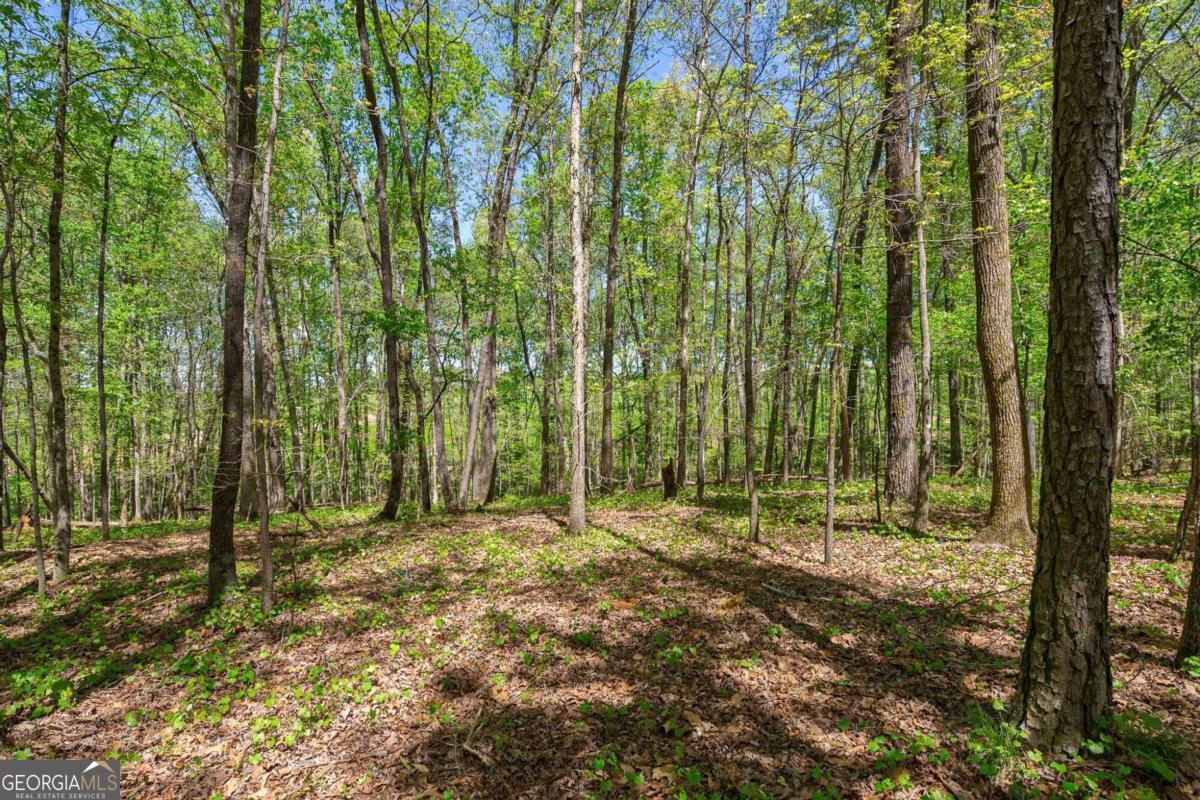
264, 380
727, 361
683, 311
101, 394
710, 361
6, 254
417, 213
748, 359
791, 262
901, 481
579, 285
35, 489
550, 399
925, 458
60, 483
333, 227
1065, 685
612, 264
391, 344
1008, 519
222, 573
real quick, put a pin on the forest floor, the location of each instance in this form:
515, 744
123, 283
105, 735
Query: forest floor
496, 655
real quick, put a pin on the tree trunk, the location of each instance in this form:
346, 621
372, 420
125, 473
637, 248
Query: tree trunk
925, 459
710, 361
101, 395
264, 383
222, 573
580, 270
550, 398
748, 359
60, 483
901, 480
1187, 529
35, 490
726, 362
333, 227
612, 261
849, 410
391, 344
1065, 685
683, 312
1008, 520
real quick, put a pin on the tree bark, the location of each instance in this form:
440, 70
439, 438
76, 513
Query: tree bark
1065, 684
580, 270
1008, 520
901, 479
222, 573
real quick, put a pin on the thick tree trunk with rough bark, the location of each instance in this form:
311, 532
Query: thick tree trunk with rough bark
901, 478
1065, 684
1008, 521
222, 573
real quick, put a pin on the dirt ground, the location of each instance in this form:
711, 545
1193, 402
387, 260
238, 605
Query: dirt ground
659, 654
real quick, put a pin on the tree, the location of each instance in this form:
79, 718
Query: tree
612, 260
1008, 514
1065, 685
901, 477
579, 284
60, 479
748, 359
222, 572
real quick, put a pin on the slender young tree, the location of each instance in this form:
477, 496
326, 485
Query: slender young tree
1065, 686
1008, 515
222, 572
101, 393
